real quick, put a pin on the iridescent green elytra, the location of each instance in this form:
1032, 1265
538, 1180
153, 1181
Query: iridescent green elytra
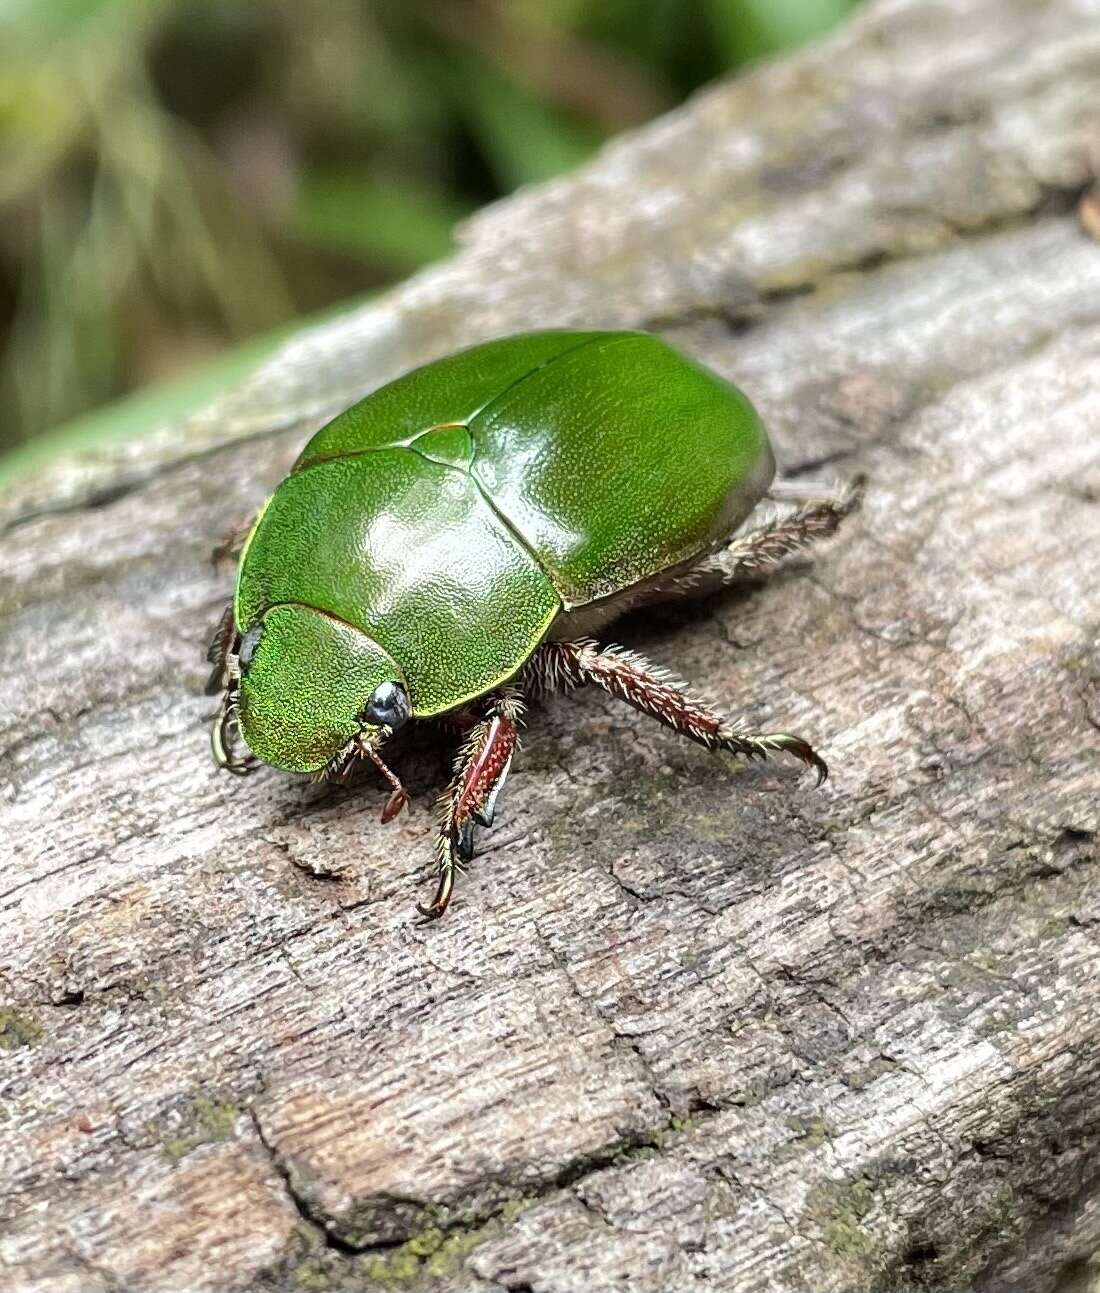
434, 542
432, 533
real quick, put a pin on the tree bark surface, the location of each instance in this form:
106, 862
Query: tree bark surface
688, 1026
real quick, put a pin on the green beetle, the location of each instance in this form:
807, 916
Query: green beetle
451, 544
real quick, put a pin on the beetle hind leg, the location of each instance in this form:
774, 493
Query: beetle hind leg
653, 691
479, 773
819, 516
758, 551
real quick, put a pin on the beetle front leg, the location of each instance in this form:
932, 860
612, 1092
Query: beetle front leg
557, 665
479, 773
222, 646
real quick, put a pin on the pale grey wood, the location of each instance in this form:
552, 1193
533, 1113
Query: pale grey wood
687, 1027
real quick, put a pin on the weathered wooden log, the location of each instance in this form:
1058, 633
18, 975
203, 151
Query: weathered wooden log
688, 1026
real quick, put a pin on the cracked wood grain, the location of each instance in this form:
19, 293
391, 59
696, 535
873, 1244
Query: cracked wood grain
689, 1026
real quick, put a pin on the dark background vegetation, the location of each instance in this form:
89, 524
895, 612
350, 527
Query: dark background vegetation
179, 176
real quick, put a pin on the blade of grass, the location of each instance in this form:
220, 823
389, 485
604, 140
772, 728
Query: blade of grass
395, 225
751, 29
156, 405
524, 138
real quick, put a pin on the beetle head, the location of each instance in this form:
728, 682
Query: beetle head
313, 688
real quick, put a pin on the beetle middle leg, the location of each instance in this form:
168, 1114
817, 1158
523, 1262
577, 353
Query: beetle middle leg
479, 773
654, 691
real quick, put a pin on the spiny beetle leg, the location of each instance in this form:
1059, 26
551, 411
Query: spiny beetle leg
464, 840
480, 771
662, 696
221, 647
755, 551
758, 551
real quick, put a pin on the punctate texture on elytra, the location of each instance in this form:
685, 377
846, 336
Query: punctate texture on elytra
454, 514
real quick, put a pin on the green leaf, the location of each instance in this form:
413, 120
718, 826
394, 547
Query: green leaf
156, 405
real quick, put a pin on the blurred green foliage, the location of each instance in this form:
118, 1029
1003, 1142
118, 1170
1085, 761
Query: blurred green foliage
178, 175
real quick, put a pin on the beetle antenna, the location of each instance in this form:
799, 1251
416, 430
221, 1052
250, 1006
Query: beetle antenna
400, 796
361, 747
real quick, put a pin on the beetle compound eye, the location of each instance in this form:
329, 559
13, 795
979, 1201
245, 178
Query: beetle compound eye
388, 706
249, 643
